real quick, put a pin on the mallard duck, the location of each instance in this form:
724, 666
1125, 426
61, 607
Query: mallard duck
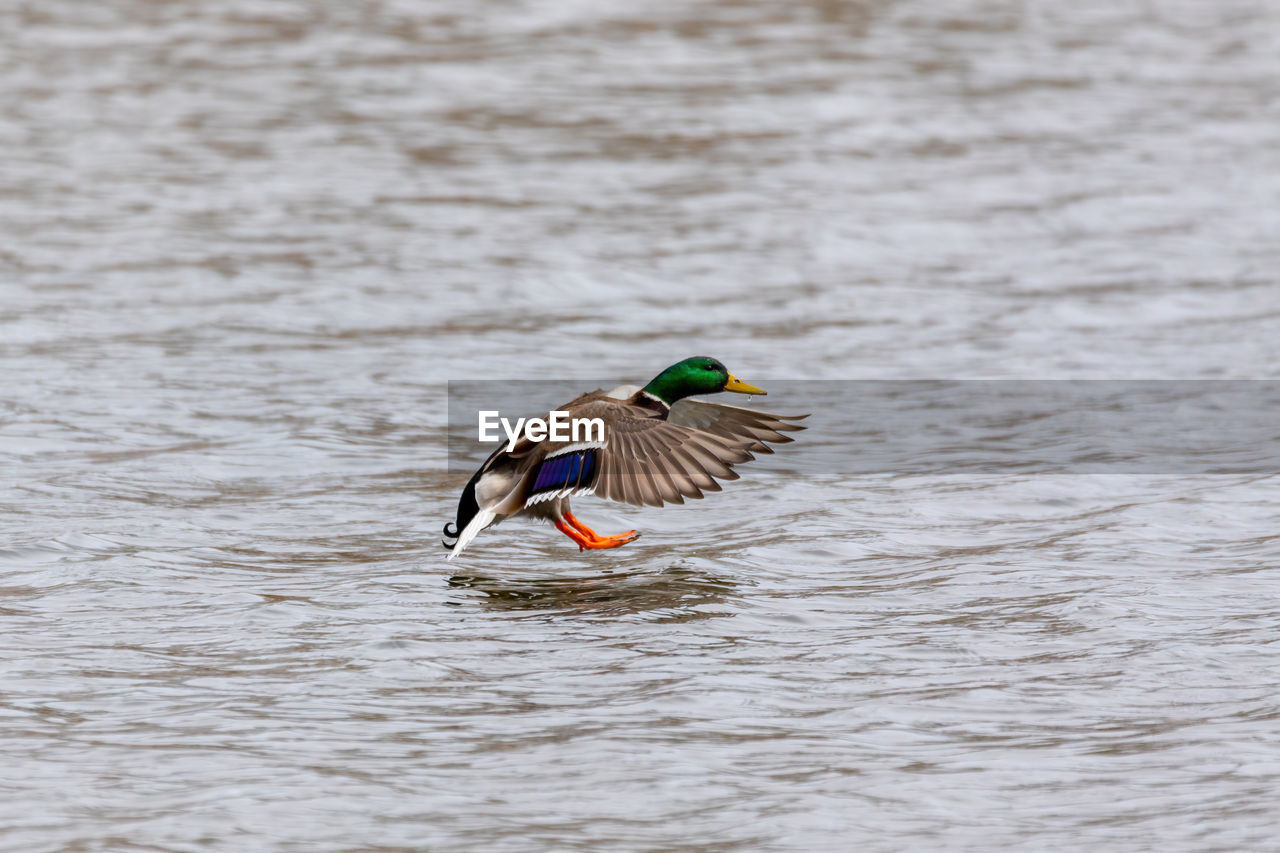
658, 447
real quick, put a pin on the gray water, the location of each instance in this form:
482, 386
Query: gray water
243, 246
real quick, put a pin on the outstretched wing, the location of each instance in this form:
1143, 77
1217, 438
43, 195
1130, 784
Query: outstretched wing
736, 424
652, 462
647, 460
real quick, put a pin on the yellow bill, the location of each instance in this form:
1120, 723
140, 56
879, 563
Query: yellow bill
736, 384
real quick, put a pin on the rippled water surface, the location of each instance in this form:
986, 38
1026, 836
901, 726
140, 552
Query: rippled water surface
243, 246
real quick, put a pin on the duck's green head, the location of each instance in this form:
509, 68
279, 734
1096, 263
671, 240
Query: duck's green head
698, 375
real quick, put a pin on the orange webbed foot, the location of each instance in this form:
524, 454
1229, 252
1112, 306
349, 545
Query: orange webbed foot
588, 538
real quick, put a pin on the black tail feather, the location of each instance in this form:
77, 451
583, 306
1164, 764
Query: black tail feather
467, 509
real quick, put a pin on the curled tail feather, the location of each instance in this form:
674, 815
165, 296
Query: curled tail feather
464, 527
480, 521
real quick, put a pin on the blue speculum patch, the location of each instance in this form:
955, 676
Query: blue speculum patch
565, 472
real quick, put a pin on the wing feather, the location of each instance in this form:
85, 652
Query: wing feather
736, 423
650, 460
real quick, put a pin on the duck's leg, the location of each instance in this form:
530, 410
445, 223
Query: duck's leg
588, 538
620, 539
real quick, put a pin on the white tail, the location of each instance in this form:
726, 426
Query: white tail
481, 520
